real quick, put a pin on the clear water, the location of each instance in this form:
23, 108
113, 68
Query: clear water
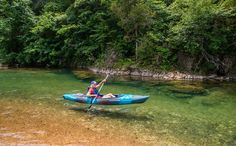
179, 112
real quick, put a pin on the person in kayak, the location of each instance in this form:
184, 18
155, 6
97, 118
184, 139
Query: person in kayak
93, 92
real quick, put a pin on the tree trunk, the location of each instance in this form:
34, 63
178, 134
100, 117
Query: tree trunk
221, 68
136, 44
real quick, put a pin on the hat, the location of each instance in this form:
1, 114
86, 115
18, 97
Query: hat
93, 82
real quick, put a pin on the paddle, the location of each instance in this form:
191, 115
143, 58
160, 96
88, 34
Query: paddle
97, 94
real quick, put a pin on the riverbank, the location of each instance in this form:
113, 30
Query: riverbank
3, 66
160, 75
157, 75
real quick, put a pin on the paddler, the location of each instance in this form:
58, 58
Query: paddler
93, 92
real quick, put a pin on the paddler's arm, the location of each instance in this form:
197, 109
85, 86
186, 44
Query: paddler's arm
103, 81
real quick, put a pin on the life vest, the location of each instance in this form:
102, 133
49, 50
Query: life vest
94, 91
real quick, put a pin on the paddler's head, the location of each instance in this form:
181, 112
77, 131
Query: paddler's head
93, 84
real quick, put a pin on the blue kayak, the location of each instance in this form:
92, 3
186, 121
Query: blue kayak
120, 99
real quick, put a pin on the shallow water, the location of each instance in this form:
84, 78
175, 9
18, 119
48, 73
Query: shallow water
177, 112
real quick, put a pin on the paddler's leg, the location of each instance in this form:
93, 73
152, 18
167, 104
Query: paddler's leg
109, 95
112, 95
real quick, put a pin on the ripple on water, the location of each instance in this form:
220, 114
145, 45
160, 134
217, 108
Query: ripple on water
17, 135
40, 132
44, 97
3, 128
7, 112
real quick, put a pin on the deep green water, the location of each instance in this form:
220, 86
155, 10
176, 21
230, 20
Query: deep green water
188, 112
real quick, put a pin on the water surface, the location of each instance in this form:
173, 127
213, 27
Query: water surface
177, 113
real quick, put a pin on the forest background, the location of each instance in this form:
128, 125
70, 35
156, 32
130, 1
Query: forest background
197, 36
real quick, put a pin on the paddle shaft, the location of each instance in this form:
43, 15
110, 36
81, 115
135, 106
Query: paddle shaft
98, 93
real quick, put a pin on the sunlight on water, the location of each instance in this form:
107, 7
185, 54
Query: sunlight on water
181, 112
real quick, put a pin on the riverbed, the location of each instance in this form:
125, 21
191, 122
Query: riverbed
32, 111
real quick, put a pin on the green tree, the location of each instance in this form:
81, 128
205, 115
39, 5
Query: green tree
203, 29
95, 33
135, 17
154, 50
16, 17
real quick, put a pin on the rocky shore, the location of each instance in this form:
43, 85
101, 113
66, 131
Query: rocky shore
157, 75
2, 66
161, 75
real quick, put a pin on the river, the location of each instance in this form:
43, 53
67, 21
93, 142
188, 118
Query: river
32, 111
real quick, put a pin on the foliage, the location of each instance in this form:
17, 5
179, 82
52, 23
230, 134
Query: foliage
135, 17
15, 21
144, 33
204, 29
124, 63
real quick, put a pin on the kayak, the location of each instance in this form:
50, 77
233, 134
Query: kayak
120, 99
